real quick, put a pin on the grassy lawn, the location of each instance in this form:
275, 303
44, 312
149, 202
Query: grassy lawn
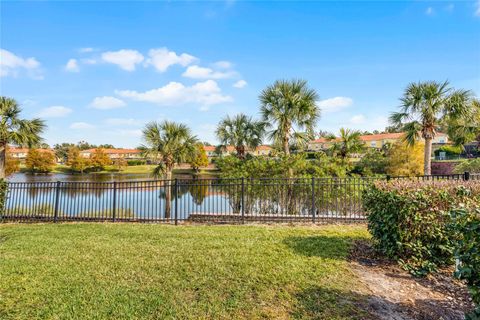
132, 271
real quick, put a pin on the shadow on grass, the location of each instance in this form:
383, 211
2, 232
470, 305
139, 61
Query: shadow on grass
332, 247
321, 303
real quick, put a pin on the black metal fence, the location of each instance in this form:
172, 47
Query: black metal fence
201, 200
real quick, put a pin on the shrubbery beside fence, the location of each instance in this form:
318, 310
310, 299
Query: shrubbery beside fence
425, 226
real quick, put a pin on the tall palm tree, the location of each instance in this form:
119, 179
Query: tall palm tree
14, 130
240, 131
424, 106
290, 108
347, 143
169, 143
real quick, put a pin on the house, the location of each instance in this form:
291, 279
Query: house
21, 153
376, 140
262, 150
115, 154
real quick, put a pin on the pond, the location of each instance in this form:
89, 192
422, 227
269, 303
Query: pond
90, 177
125, 197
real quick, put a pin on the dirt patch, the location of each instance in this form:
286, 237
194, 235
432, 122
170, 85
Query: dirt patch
394, 294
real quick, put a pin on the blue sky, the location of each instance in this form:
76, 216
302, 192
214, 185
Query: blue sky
98, 71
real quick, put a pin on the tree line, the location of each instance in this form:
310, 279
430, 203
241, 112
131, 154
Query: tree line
289, 114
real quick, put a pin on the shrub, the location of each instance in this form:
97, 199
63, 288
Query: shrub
405, 160
449, 150
472, 166
467, 250
410, 220
136, 162
3, 195
41, 161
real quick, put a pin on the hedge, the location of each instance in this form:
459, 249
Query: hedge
3, 196
411, 222
467, 251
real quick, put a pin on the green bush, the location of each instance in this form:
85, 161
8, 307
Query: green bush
3, 195
472, 166
449, 150
136, 162
467, 250
410, 220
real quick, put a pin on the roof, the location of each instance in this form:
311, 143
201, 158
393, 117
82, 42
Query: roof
25, 150
113, 151
375, 137
263, 147
209, 148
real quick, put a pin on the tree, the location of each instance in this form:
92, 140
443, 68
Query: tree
14, 130
120, 164
465, 129
240, 131
347, 143
290, 108
41, 161
99, 159
169, 143
61, 151
200, 158
424, 106
405, 159
76, 162
12, 165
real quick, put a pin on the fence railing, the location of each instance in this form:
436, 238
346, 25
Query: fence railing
202, 200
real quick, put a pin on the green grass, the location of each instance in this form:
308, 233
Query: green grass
134, 271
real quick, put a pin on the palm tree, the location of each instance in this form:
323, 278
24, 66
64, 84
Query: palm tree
424, 106
466, 129
290, 107
14, 130
169, 143
240, 131
347, 143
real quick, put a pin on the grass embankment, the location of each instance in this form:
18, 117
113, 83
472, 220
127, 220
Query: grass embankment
125, 271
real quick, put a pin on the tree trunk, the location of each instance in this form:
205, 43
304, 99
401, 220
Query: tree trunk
427, 165
286, 147
3, 157
168, 193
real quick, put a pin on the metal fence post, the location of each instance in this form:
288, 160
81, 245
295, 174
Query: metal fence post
243, 200
313, 199
466, 176
114, 204
57, 198
176, 200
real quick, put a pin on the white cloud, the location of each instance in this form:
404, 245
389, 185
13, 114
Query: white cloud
106, 103
55, 112
223, 64
10, 64
122, 122
161, 59
81, 126
240, 84
357, 119
477, 9
335, 104
125, 58
174, 93
72, 66
429, 11
196, 72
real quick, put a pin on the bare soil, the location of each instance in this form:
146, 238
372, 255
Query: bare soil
394, 294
